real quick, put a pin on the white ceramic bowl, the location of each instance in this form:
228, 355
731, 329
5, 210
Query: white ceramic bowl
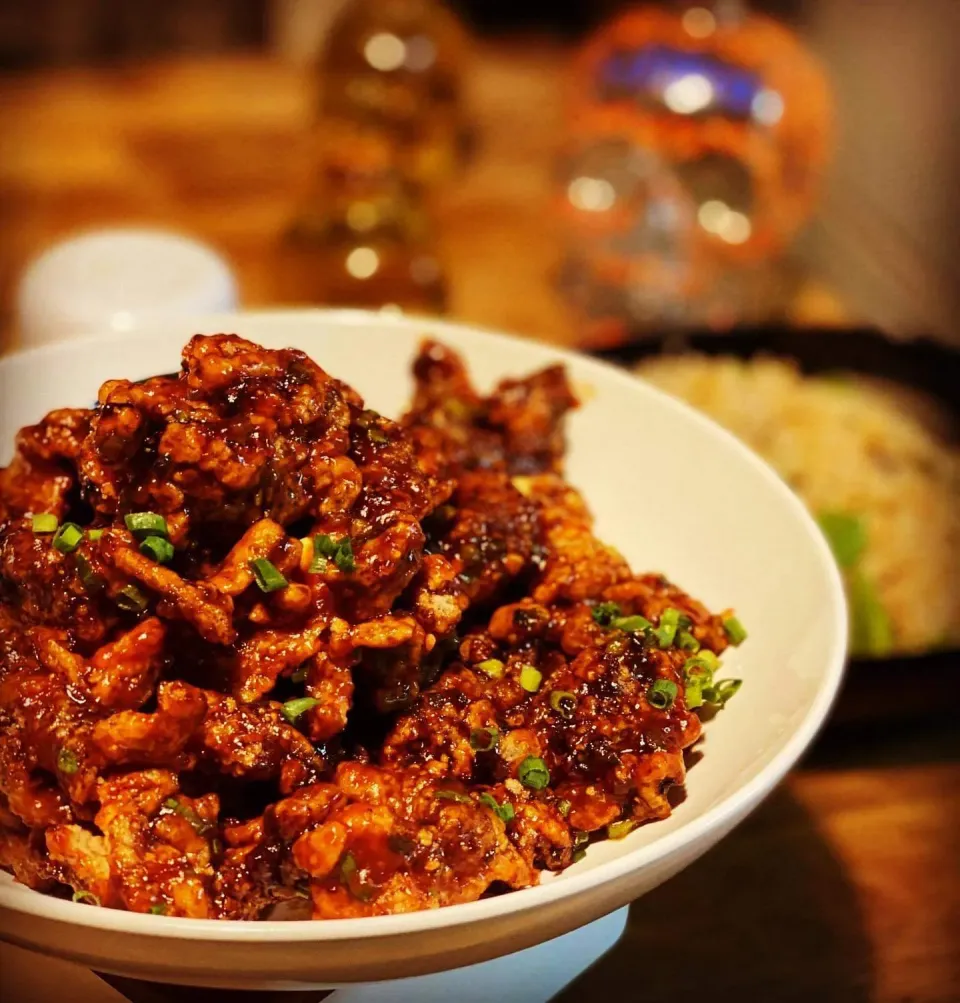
672, 490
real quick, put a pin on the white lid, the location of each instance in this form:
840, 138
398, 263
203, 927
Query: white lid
115, 280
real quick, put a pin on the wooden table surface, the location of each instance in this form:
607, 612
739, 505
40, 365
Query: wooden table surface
845, 885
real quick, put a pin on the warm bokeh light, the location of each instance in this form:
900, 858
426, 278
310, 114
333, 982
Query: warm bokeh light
363, 262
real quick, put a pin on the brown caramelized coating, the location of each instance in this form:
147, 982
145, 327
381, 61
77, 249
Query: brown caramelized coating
518, 429
417, 706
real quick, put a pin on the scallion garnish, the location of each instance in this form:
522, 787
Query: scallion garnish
617, 830
693, 695
722, 691
131, 599
457, 796
92, 581
325, 548
704, 663
533, 773
564, 807
184, 810
631, 624
530, 678
564, 703
68, 537
300, 676
603, 613
45, 522
493, 667
580, 842
158, 548
687, 641
504, 811
349, 875
484, 739
293, 709
159, 909
735, 631
94, 534
267, 576
146, 524
84, 896
662, 693
666, 630
67, 762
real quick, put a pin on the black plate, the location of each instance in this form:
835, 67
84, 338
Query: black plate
874, 689
922, 364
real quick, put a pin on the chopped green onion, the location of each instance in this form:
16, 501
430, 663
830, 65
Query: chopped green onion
504, 811
493, 668
300, 676
666, 631
846, 534
68, 537
687, 641
724, 689
159, 909
735, 631
530, 678
84, 896
617, 830
344, 557
293, 709
350, 877
484, 739
268, 578
533, 773
631, 624
378, 436
662, 693
131, 599
184, 810
92, 581
564, 703
564, 807
146, 524
603, 613
340, 552
94, 534
457, 796
693, 695
704, 663
580, 842
67, 762
216, 847
45, 523
325, 545
158, 548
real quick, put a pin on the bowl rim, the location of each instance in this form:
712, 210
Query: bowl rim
719, 817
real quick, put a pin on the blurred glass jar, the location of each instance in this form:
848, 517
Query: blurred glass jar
732, 101
362, 237
396, 65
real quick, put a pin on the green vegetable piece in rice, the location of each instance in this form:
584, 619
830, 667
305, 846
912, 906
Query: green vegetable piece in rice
846, 535
871, 632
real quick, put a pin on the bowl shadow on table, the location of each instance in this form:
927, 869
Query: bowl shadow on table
768, 914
